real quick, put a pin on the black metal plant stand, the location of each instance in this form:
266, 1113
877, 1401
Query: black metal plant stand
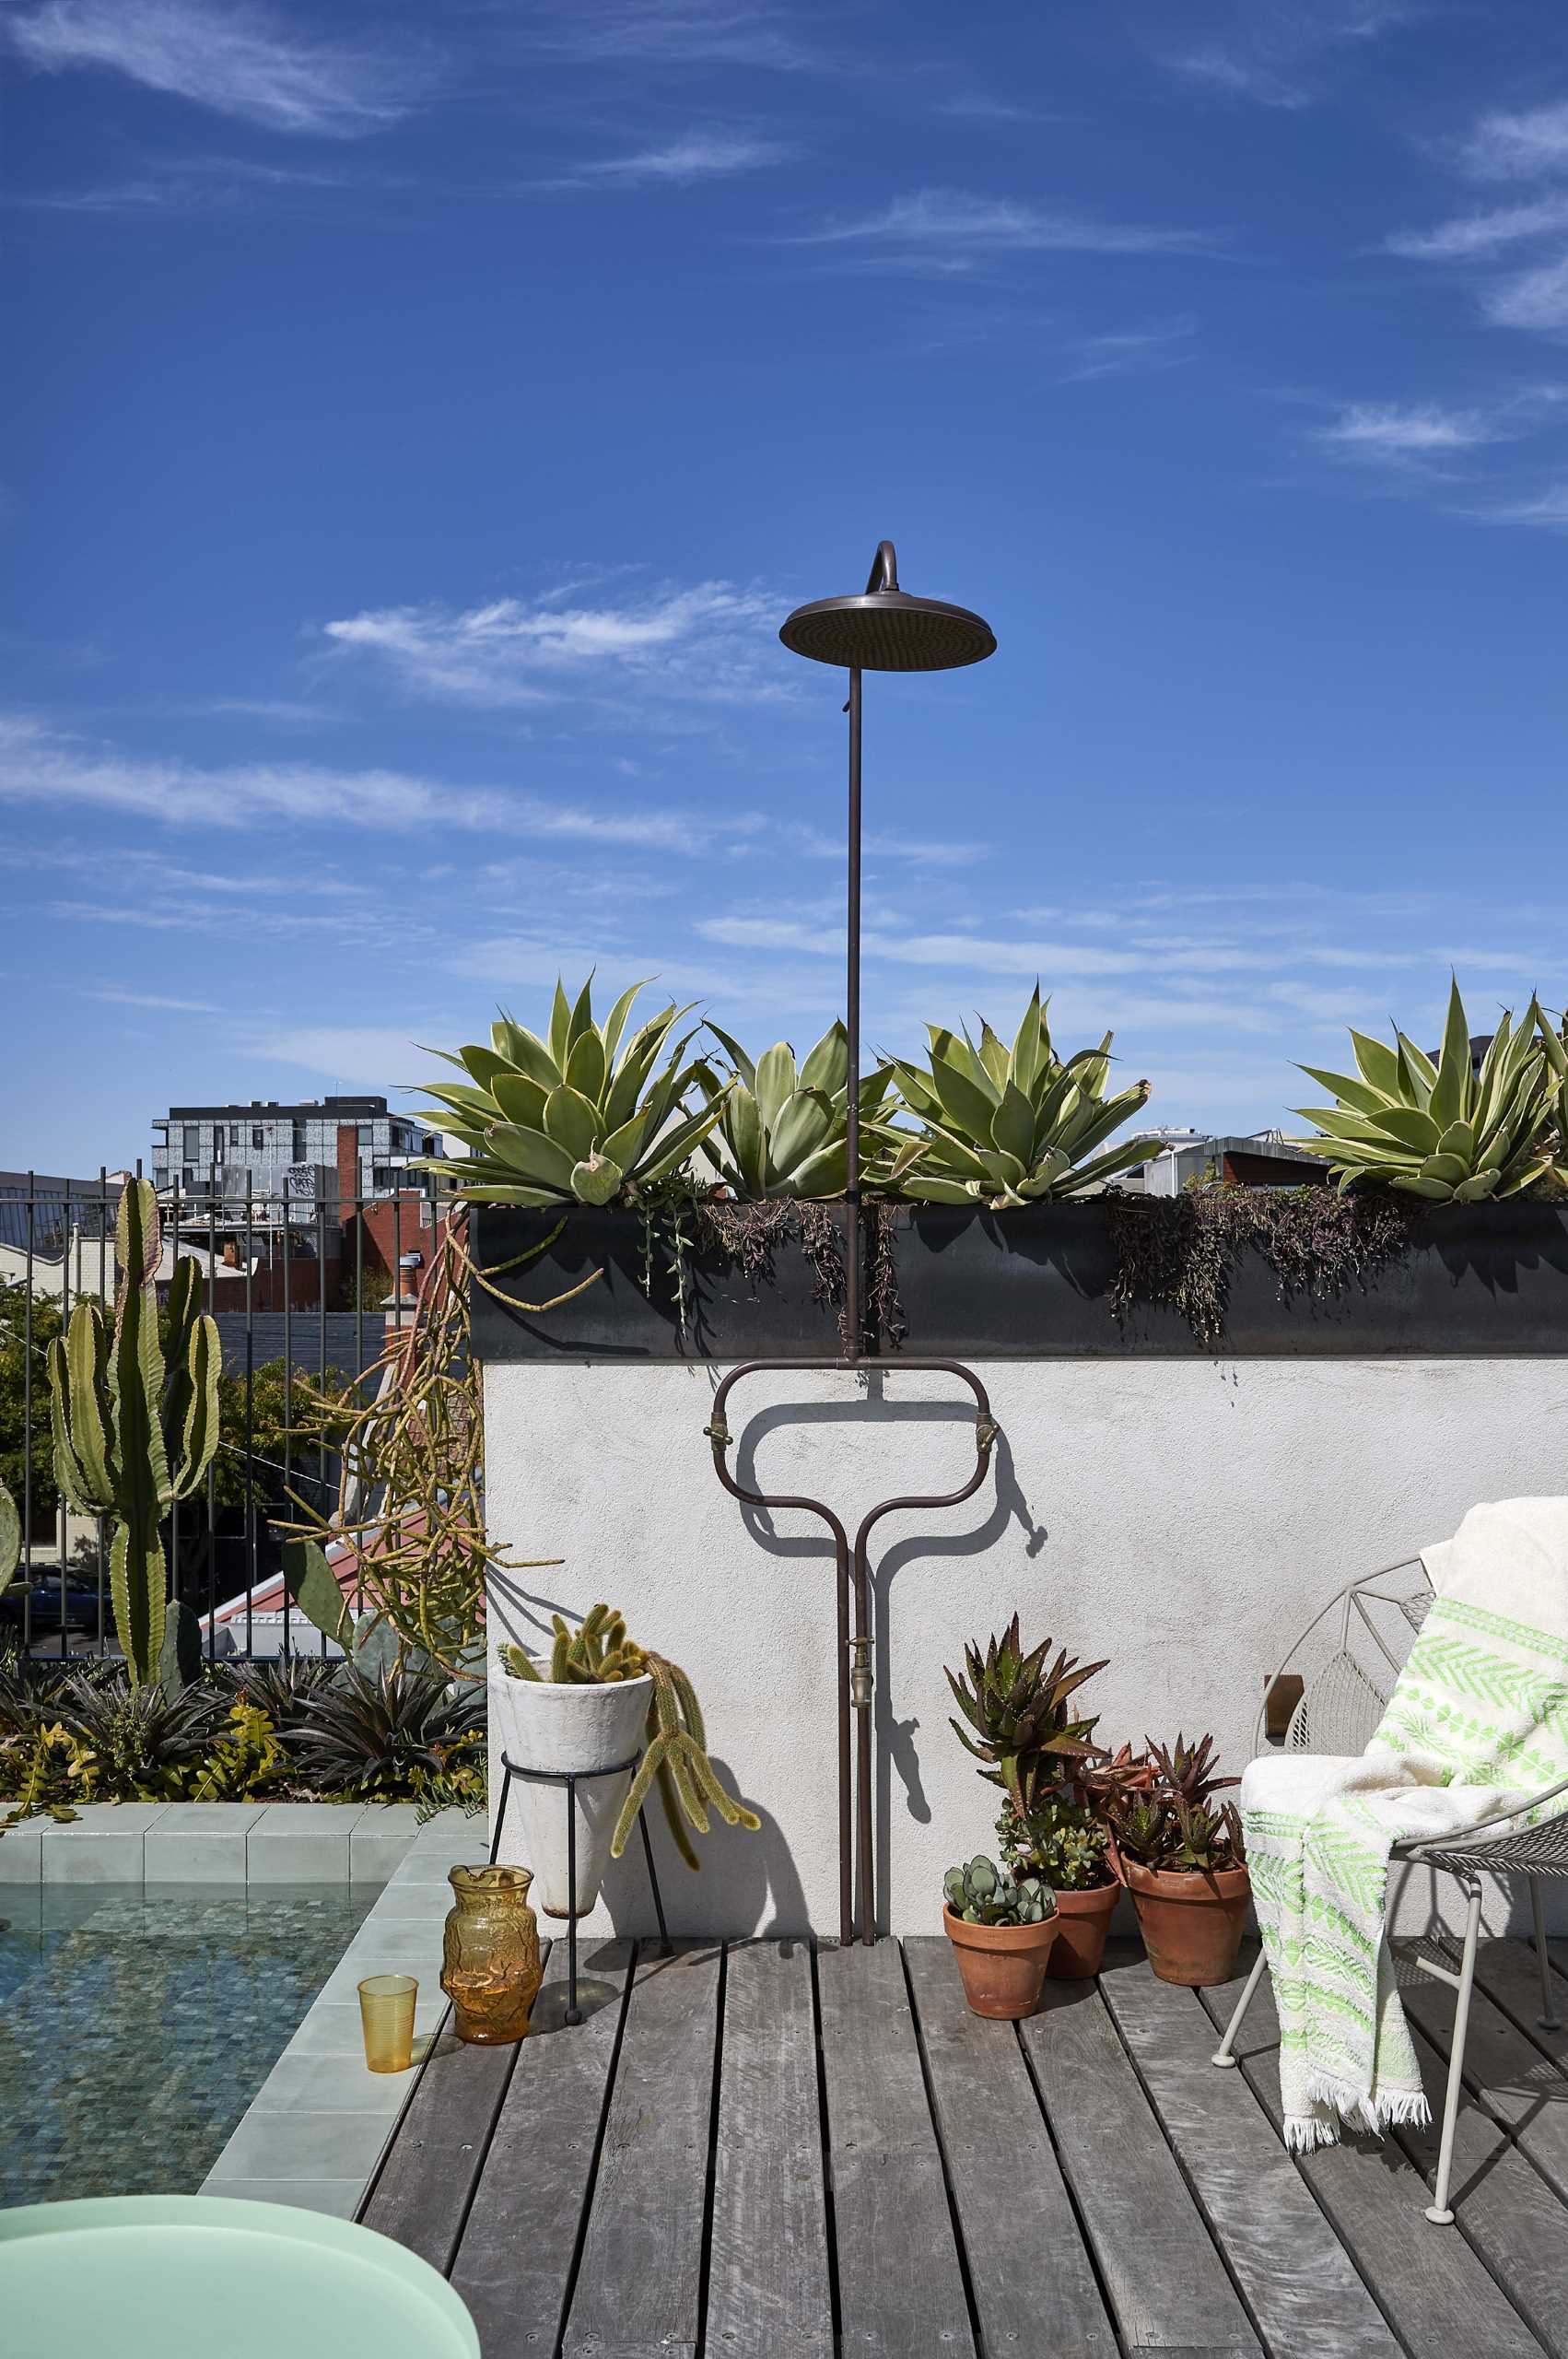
883, 629
569, 1778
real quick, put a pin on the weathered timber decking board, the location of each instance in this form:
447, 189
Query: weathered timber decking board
780, 2148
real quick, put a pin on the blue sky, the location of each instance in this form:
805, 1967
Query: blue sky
424, 417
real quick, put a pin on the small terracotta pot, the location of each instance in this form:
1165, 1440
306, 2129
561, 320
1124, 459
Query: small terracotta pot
1002, 1965
1191, 1924
1082, 1922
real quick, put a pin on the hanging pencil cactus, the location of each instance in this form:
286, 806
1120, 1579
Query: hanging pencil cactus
135, 1431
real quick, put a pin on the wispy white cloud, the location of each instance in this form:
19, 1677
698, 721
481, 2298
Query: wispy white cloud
944, 228
1129, 352
1277, 56
679, 163
1548, 509
120, 995
359, 1052
1529, 144
1412, 430
1474, 237
689, 34
702, 642
236, 59
1534, 299
39, 766
175, 184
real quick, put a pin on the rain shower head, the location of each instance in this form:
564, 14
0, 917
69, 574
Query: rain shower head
885, 630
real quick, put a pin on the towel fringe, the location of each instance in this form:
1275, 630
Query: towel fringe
1305, 2132
1373, 2111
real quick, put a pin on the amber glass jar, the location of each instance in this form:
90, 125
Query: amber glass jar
490, 1967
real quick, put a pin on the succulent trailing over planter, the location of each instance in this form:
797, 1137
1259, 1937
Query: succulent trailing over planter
781, 1131
132, 1430
1003, 1126
1020, 1723
600, 1654
580, 1118
1442, 1130
983, 1894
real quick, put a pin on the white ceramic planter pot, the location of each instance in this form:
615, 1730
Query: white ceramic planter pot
541, 1724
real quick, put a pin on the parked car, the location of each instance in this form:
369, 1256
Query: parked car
34, 1603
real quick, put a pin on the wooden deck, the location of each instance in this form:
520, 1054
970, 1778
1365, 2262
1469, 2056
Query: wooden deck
767, 2149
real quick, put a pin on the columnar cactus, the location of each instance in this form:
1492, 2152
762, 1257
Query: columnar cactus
133, 1432
10, 1538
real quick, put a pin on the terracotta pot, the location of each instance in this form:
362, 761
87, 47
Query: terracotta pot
1002, 1965
1191, 1924
1082, 1922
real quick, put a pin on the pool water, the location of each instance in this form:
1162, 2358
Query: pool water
137, 2024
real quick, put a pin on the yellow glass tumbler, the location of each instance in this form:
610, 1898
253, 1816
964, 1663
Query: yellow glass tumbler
386, 2014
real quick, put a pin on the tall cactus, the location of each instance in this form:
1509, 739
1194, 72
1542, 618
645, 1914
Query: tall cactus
132, 1433
10, 1539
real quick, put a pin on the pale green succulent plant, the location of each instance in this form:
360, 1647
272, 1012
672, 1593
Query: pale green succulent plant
578, 1119
781, 1131
983, 1894
1003, 1126
1443, 1130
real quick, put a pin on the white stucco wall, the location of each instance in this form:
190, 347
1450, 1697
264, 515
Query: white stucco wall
1182, 1518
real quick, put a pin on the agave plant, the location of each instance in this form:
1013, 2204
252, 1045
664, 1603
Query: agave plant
781, 1130
1004, 1126
1442, 1130
1017, 1705
146, 1741
582, 1117
386, 1735
983, 1894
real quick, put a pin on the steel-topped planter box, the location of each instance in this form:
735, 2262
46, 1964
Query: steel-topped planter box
1473, 1281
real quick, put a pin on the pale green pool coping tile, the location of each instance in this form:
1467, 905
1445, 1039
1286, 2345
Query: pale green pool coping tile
320, 2123
338, 2196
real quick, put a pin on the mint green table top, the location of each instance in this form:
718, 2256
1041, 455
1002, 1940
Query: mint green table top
192, 2276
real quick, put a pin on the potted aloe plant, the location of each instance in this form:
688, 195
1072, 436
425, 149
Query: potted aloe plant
1002, 1932
1181, 1855
585, 1707
1020, 1722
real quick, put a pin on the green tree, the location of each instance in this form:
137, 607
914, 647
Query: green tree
284, 1429
14, 1354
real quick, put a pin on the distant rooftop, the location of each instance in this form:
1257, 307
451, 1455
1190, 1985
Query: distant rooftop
346, 1109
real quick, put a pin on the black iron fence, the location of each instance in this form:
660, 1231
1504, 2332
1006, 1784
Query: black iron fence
305, 1288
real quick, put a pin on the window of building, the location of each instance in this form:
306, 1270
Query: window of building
234, 1135
188, 1176
258, 1136
384, 1175
301, 1143
160, 1175
192, 1141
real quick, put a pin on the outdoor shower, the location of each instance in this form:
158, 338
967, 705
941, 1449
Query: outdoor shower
885, 629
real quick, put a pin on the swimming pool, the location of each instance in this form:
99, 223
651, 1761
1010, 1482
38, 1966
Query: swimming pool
137, 2022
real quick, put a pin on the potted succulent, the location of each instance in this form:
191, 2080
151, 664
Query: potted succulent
1022, 1724
1063, 1842
1001, 1933
1181, 1855
586, 1706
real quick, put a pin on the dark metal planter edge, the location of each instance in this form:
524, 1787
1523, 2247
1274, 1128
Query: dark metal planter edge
1475, 1282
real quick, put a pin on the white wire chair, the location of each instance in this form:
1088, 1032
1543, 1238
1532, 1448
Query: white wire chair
1340, 1707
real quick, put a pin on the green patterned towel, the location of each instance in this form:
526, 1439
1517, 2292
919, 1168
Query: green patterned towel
1477, 1721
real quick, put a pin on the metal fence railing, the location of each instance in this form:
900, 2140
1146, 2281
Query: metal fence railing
304, 1289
